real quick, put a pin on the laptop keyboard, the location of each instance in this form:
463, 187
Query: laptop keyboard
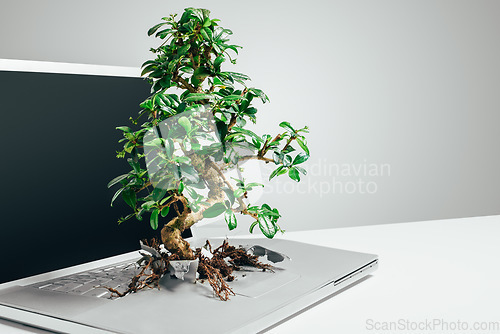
91, 283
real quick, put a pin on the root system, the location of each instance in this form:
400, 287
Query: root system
216, 267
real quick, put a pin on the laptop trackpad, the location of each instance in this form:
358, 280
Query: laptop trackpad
255, 284
48, 302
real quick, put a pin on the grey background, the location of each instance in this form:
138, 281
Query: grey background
409, 85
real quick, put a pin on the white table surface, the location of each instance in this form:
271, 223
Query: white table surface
445, 271
433, 277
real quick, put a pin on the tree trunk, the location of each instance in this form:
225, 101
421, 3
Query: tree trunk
171, 232
172, 240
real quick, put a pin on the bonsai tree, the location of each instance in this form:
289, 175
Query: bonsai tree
193, 131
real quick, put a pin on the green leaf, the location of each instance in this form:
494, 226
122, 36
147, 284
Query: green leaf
252, 226
265, 207
164, 82
231, 97
192, 193
139, 214
134, 164
199, 75
214, 210
300, 169
186, 69
230, 195
239, 77
304, 129
239, 192
288, 149
287, 161
129, 197
153, 221
250, 111
253, 209
153, 29
147, 104
158, 194
303, 145
245, 102
117, 180
267, 226
294, 174
198, 97
256, 144
247, 132
207, 22
272, 213
230, 219
239, 182
169, 147
259, 93
165, 199
218, 61
185, 123
164, 33
148, 69
287, 126
181, 187
183, 49
207, 34
121, 219
253, 184
115, 196
124, 128
164, 211
182, 159
189, 173
148, 62
275, 172
221, 130
148, 205
206, 14
300, 158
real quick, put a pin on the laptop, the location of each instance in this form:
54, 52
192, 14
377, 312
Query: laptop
60, 241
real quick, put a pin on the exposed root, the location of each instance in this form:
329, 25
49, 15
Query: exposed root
217, 270
216, 280
151, 270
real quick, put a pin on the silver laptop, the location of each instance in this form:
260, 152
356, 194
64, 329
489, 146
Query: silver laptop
60, 241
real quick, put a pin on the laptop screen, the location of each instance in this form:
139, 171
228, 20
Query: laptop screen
59, 146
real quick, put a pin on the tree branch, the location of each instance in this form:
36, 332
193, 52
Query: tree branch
243, 206
288, 143
265, 147
257, 157
145, 186
248, 213
184, 84
232, 122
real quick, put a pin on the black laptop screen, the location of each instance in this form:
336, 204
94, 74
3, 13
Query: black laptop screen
58, 154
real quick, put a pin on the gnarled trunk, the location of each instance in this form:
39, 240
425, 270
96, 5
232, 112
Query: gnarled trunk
171, 232
173, 241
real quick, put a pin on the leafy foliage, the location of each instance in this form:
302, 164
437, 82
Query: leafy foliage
191, 90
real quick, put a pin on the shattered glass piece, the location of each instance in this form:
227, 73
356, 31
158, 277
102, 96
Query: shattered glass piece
184, 269
150, 250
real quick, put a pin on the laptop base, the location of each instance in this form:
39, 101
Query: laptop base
262, 299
